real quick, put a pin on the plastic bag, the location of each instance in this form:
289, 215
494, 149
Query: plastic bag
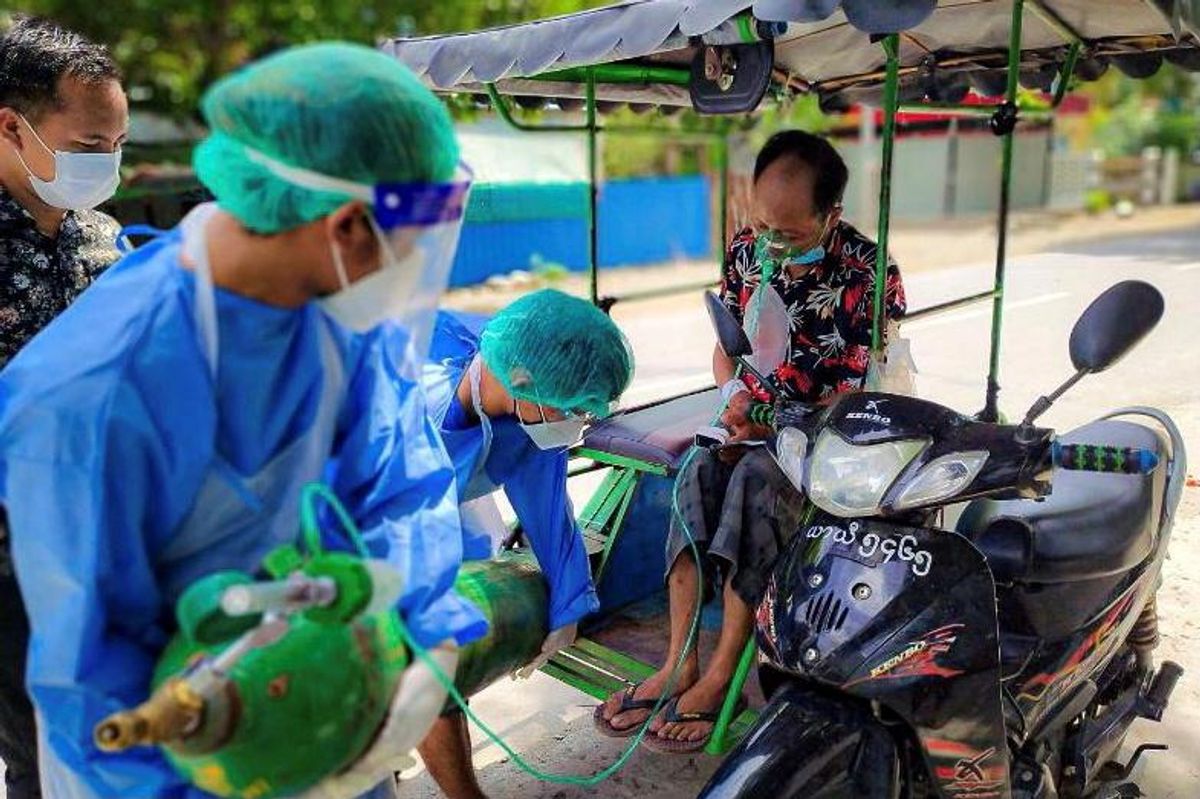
895, 372
769, 328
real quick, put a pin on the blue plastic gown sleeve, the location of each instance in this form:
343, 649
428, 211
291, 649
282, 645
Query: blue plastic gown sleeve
535, 482
84, 505
398, 483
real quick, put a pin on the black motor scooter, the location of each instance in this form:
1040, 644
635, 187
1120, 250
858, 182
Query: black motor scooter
1005, 658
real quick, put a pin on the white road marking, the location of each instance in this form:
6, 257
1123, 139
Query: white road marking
1187, 267
983, 312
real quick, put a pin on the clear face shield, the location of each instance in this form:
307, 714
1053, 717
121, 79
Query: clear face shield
417, 226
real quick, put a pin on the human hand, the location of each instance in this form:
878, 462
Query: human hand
558, 639
415, 705
736, 412
736, 419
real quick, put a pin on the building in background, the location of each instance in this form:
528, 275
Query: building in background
529, 208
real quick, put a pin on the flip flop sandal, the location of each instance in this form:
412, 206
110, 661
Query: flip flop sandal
605, 726
671, 715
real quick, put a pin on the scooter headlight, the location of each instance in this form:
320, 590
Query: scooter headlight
791, 448
848, 480
943, 478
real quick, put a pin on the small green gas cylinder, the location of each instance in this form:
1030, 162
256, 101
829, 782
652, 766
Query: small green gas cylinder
269, 687
261, 705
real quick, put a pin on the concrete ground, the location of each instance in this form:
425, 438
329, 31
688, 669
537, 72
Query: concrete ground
1060, 263
1055, 274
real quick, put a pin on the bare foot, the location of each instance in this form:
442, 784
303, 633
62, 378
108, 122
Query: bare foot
705, 696
650, 688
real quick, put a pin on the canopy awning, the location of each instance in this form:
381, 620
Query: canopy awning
827, 46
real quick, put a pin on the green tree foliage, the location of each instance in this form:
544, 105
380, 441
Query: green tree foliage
171, 49
636, 155
1160, 111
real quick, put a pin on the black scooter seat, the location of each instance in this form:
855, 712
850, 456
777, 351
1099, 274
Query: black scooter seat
1091, 526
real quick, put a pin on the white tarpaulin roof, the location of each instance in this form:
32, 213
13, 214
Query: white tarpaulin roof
827, 43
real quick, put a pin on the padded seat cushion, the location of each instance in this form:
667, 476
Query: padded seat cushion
1092, 525
659, 433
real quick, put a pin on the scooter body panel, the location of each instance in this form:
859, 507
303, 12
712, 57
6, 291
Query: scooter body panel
902, 616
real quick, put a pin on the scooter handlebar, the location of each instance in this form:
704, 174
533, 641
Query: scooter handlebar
1096, 458
762, 414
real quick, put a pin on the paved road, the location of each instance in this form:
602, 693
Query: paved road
550, 723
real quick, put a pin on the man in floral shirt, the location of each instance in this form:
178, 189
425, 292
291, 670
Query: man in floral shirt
737, 504
63, 118
830, 304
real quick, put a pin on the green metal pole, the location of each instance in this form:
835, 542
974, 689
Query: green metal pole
722, 157
717, 742
1064, 77
592, 128
965, 110
506, 114
654, 294
593, 242
991, 410
951, 305
891, 46
619, 73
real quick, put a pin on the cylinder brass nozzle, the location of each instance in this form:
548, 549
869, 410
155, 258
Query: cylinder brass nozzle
172, 712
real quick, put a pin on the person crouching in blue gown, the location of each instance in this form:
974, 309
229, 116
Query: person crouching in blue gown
510, 397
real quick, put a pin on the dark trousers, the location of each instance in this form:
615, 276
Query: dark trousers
18, 735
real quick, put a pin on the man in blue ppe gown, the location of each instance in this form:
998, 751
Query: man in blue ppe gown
162, 428
510, 398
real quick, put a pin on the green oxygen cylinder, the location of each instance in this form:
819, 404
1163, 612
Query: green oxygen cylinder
511, 592
255, 704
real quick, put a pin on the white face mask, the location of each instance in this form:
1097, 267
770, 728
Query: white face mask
382, 295
554, 435
81, 180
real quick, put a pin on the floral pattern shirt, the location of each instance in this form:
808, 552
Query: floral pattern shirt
40, 276
831, 310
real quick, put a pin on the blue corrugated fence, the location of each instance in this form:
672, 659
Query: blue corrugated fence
641, 221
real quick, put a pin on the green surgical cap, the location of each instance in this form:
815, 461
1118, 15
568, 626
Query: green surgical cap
559, 351
343, 110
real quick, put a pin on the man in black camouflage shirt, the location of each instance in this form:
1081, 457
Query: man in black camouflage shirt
63, 118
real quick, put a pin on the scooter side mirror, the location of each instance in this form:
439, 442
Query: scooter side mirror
1110, 327
730, 335
1113, 325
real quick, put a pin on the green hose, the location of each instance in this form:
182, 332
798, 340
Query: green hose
314, 491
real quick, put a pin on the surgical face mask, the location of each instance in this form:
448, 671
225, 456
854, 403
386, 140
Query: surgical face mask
81, 180
382, 295
553, 435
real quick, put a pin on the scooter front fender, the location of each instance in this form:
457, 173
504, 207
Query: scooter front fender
810, 745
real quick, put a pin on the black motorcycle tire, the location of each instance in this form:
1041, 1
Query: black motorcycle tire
809, 745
